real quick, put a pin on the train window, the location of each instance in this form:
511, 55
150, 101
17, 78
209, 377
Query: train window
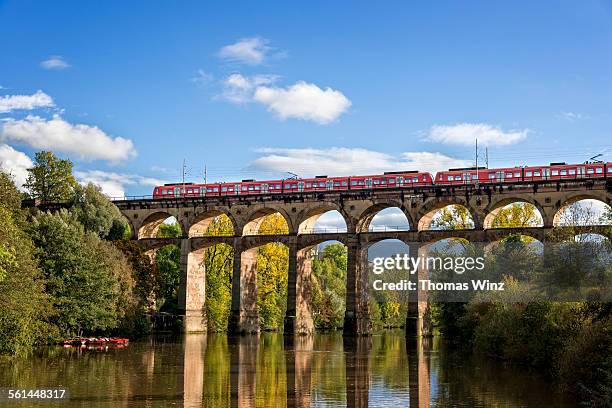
344, 184
564, 172
361, 182
383, 182
450, 178
517, 174
572, 172
458, 178
555, 172
491, 176
215, 189
223, 189
308, 185
537, 173
590, 171
528, 174
257, 187
508, 174
391, 180
599, 170
415, 179
196, 190
322, 184
250, 188
287, 185
337, 184
376, 181
230, 189
244, 188
353, 183
209, 190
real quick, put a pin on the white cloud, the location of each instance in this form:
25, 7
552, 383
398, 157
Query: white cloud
87, 142
114, 184
337, 161
239, 89
303, 101
15, 163
467, 133
571, 116
56, 62
39, 99
251, 51
202, 78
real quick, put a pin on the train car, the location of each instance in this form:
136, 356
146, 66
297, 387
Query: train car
391, 179
481, 175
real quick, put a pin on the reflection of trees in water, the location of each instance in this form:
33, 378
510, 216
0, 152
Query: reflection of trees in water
269, 370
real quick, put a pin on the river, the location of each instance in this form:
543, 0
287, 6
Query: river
268, 370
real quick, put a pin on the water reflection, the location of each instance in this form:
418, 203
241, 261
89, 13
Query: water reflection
386, 370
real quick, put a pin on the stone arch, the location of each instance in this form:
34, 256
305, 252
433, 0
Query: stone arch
572, 199
493, 210
202, 221
308, 218
256, 218
430, 209
150, 225
365, 219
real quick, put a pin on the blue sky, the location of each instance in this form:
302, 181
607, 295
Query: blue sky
130, 89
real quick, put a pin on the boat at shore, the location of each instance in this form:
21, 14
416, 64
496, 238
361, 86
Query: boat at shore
96, 341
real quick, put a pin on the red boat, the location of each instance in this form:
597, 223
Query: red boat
86, 341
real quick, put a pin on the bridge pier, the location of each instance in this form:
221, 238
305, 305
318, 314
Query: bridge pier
192, 292
298, 317
244, 317
418, 319
357, 316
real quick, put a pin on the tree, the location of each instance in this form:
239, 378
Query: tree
452, 217
97, 213
329, 286
272, 274
517, 215
24, 307
219, 267
51, 179
168, 262
89, 280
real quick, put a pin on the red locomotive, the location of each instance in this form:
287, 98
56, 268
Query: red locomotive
399, 179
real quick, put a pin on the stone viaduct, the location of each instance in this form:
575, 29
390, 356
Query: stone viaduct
358, 208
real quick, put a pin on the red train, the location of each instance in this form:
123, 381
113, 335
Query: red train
399, 179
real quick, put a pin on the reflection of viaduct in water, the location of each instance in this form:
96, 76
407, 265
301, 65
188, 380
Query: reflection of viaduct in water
298, 351
358, 208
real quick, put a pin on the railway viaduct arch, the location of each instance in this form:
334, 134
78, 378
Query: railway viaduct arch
300, 210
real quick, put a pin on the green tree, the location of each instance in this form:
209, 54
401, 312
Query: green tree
51, 179
452, 217
97, 213
517, 215
89, 280
219, 267
329, 286
24, 307
272, 274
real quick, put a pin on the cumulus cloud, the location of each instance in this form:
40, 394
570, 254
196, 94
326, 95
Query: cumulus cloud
39, 99
303, 101
87, 142
15, 163
56, 62
349, 161
239, 89
467, 133
250, 51
114, 184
